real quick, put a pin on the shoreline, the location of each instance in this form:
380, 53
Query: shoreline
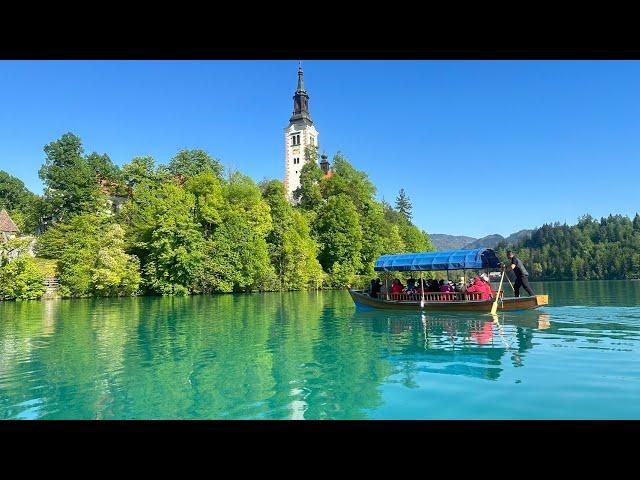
47, 296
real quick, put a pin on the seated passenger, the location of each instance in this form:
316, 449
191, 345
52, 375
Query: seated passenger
375, 287
396, 286
411, 285
481, 285
446, 286
434, 286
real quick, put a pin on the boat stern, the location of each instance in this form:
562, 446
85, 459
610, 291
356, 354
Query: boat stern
542, 300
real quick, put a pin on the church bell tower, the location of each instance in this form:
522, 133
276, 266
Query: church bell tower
297, 136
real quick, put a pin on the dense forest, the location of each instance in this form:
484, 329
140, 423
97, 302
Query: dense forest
590, 250
191, 227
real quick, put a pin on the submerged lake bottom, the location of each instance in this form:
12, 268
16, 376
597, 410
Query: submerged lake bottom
313, 355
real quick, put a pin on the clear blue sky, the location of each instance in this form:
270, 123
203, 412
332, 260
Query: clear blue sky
481, 147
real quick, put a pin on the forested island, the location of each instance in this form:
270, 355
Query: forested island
189, 227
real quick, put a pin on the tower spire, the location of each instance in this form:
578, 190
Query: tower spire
300, 78
301, 100
299, 135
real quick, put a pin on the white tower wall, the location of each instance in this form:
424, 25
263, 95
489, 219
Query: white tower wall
294, 153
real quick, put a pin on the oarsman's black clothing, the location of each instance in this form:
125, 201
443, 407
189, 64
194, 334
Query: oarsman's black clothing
522, 277
519, 270
524, 282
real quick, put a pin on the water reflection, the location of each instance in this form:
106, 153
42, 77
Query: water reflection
455, 343
302, 355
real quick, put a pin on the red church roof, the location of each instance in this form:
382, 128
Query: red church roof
6, 224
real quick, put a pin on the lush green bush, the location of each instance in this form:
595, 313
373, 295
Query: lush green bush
21, 279
91, 257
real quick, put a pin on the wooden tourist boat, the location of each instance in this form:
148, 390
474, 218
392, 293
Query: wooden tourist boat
478, 259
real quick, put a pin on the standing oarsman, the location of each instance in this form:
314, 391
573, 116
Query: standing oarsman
522, 276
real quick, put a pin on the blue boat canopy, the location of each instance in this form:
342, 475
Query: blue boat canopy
433, 261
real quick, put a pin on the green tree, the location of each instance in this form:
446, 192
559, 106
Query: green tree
339, 235
91, 257
590, 249
25, 208
189, 163
207, 190
348, 181
13, 194
71, 186
114, 273
308, 194
403, 204
68, 235
103, 168
379, 236
139, 170
21, 279
291, 249
237, 256
168, 239
414, 239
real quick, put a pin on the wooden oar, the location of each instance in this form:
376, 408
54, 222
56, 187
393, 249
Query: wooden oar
494, 307
512, 288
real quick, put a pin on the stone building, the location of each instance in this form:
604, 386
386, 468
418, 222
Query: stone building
8, 229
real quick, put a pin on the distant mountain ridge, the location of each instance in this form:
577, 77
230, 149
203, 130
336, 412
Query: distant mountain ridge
449, 242
453, 242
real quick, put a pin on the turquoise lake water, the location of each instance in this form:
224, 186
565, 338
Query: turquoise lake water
308, 355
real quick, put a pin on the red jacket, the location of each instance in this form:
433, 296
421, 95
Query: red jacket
482, 287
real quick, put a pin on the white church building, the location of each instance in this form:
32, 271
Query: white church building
297, 136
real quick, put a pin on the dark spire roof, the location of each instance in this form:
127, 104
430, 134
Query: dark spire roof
301, 101
6, 224
324, 164
300, 78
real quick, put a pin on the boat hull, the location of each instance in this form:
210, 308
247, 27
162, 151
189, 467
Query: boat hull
510, 303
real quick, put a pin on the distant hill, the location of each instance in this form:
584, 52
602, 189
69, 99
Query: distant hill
490, 241
518, 236
449, 242
452, 242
